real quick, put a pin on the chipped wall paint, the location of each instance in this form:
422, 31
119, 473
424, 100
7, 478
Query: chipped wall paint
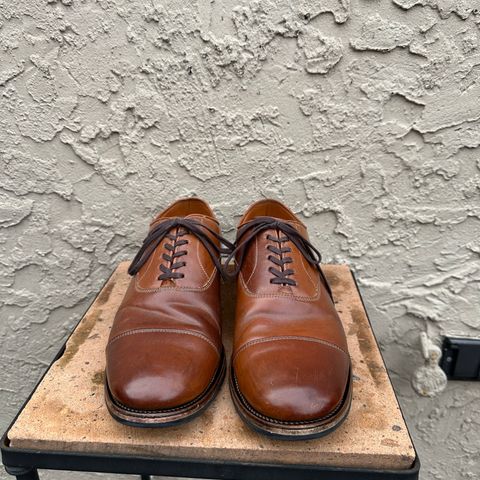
363, 115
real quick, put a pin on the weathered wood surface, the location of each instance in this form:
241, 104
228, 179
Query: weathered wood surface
67, 410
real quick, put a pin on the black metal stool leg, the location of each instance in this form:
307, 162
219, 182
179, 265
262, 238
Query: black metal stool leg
145, 477
22, 473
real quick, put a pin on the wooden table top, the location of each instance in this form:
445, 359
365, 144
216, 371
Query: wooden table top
67, 410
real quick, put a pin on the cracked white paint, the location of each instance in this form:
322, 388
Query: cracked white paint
362, 115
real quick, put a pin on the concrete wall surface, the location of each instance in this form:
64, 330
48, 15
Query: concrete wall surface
362, 115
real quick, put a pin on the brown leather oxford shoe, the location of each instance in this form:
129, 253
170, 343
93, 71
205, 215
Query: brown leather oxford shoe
291, 371
164, 357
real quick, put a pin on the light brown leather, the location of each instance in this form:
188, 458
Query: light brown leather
290, 359
165, 346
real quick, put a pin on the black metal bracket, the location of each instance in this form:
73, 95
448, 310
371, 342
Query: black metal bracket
461, 358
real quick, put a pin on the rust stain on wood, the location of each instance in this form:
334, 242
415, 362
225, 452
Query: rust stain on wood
81, 334
367, 344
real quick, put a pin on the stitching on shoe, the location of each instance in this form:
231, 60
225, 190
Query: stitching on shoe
254, 268
299, 298
199, 262
305, 267
203, 288
288, 337
163, 330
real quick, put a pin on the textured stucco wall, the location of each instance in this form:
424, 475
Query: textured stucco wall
363, 115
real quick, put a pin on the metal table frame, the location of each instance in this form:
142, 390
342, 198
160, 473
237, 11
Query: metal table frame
24, 463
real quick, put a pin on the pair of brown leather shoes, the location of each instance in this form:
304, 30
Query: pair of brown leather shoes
290, 369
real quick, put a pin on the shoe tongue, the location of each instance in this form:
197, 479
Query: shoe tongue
298, 226
200, 218
203, 219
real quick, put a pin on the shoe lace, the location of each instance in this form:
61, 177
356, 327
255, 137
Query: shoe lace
280, 276
173, 229
285, 233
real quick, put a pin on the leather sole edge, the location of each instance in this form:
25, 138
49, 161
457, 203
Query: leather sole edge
290, 430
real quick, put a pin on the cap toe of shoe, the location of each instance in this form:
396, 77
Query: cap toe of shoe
292, 380
158, 371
